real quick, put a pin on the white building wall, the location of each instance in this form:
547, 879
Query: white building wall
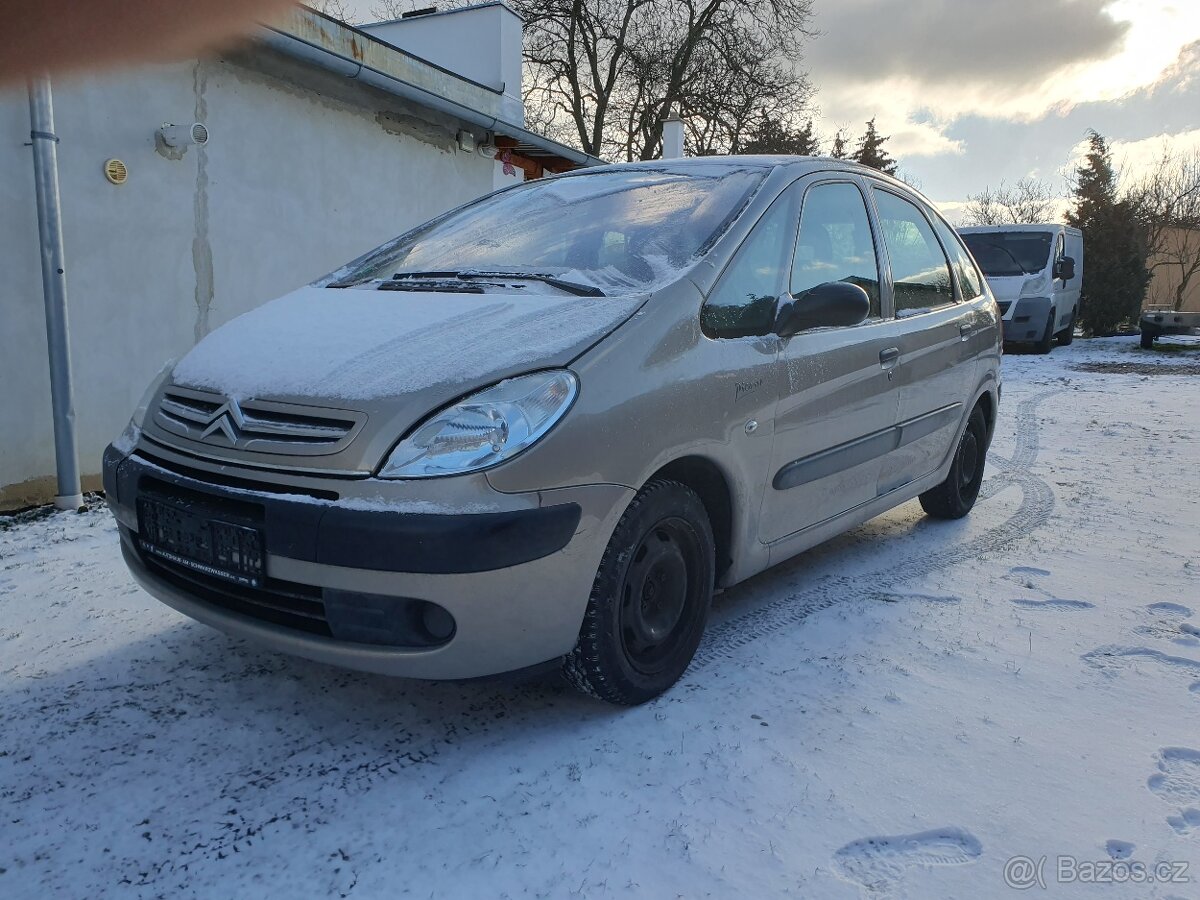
481, 42
294, 182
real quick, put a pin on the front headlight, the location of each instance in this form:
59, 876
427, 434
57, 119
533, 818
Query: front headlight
1035, 287
484, 429
133, 431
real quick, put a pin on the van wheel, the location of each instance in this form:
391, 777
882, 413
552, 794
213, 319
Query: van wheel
1147, 340
1066, 337
1047, 342
650, 600
954, 497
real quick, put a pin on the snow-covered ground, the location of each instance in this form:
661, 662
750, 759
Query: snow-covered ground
898, 713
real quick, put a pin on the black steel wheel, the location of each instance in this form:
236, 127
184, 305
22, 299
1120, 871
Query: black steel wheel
954, 497
650, 600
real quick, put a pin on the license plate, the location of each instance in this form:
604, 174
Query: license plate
195, 541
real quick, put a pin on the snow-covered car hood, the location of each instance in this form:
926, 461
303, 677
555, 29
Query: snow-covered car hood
396, 356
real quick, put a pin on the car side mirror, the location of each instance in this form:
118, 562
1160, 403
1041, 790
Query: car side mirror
834, 304
1065, 269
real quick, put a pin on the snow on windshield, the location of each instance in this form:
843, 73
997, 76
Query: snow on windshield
620, 230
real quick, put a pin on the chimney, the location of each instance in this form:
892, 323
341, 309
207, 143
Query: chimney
481, 43
672, 135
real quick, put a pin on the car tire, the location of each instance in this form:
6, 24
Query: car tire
650, 600
1147, 340
954, 497
1066, 337
1047, 342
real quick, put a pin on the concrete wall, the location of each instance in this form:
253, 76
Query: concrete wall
304, 171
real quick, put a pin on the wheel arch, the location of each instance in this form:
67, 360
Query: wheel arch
712, 486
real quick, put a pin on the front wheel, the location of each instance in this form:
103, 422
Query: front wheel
1147, 340
650, 599
954, 497
1047, 342
1066, 337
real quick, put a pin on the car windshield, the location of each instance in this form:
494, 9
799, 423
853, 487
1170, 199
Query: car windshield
614, 230
1001, 253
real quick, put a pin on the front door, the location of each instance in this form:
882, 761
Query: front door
837, 402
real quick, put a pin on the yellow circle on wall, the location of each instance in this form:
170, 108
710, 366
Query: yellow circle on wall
116, 171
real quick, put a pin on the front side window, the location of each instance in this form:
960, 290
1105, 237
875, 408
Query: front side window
744, 300
620, 231
920, 272
835, 242
969, 281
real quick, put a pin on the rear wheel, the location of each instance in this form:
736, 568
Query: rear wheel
1067, 336
1047, 342
954, 497
1147, 340
650, 600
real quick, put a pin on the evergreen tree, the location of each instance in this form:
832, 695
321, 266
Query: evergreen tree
1116, 276
770, 135
839, 145
871, 153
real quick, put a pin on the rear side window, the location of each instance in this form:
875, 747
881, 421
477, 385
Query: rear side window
968, 276
743, 302
835, 242
920, 271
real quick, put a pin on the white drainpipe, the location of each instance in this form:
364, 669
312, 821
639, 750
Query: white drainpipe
54, 290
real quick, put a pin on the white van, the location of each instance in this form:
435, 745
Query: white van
1035, 273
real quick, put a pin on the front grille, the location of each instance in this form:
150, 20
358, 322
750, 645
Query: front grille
255, 425
284, 603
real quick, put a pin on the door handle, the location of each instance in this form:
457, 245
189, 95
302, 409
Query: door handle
965, 331
889, 358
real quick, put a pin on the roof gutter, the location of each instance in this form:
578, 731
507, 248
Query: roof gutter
331, 60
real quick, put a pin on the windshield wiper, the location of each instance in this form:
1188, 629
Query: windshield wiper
1009, 254
572, 287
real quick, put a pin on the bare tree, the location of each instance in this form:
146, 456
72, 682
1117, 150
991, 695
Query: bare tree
606, 71
1029, 200
1168, 205
337, 9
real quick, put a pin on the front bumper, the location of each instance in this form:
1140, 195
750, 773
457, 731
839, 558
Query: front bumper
1025, 319
347, 582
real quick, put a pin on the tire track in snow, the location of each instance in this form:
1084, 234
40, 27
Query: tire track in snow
727, 638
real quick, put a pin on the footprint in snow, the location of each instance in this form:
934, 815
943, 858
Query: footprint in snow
1186, 822
1113, 657
1168, 624
877, 862
1055, 603
1170, 609
1178, 778
1029, 570
1119, 849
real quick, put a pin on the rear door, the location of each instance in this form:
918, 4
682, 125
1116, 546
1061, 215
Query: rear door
937, 336
837, 403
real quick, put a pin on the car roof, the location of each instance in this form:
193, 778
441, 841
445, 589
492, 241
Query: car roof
1024, 226
765, 161
799, 165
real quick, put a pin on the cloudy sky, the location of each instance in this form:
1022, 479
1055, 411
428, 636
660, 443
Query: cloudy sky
978, 92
